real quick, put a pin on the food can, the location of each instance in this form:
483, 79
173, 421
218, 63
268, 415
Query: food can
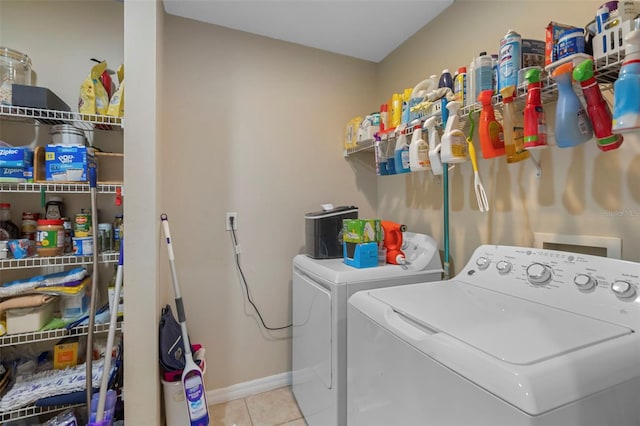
82, 225
82, 246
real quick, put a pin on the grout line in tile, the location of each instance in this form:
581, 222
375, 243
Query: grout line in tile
246, 406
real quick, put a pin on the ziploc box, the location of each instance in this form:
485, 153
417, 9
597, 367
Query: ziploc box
67, 163
16, 174
361, 230
16, 156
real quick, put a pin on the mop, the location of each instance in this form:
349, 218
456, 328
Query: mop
92, 171
102, 398
191, 375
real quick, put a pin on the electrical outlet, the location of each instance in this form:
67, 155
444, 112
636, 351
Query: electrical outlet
233, 215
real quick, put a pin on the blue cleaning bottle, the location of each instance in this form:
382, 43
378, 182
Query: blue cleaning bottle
572, 122
626, 89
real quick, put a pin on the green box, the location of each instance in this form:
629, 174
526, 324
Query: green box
361, 230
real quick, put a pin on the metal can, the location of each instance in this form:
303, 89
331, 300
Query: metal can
82, 224
509, 61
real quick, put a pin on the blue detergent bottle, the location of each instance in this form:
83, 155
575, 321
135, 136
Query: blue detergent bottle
626, 89
401, 154
572, 122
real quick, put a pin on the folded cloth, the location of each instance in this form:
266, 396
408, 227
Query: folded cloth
28, 301
22, 286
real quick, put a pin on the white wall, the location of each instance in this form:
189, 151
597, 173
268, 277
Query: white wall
254, 126
581, 191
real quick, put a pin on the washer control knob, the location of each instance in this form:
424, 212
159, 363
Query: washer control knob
584, 281
503, 267
623, 289
538, 274
483, 263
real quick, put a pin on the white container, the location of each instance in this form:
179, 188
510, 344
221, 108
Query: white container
26, 320
73, 305
66, 134
82, 246
175, 406
418, 152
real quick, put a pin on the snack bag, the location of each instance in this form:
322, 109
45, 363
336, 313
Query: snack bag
116, 104
93, 96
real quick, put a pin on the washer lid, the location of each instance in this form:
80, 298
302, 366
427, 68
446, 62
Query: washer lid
510, 329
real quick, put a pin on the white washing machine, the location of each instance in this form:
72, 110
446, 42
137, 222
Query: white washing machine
321, 289
520, 336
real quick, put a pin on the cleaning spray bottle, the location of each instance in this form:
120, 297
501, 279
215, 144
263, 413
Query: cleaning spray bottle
597, 107
418, 151
626, 89
514, 146
454, 143
572, 123
434, 146
401, 154
535, 124
490, 130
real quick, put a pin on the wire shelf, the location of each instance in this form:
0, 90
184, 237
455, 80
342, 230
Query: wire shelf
22, 413
56, 334
48, 116
73, 187
70, 259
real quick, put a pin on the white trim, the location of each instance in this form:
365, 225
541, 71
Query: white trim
242, 390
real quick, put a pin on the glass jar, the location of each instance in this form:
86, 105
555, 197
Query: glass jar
8, 229
15, 68
50, 237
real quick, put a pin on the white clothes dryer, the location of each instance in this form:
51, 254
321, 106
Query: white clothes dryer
321, 288
520, 336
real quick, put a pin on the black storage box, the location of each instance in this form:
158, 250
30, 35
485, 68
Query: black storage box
323, 231
36, 97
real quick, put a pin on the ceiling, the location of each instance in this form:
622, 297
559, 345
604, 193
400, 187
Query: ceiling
364, 29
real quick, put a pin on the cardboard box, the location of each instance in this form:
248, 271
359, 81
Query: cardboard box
361, 230
65, 355
37, 97
16, 174
552, 34
16, 156
67, 163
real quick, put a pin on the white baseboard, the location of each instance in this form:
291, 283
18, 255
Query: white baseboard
242, 390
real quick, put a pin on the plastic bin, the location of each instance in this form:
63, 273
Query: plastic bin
175, 406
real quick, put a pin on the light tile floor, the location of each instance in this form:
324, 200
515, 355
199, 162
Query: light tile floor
277, 407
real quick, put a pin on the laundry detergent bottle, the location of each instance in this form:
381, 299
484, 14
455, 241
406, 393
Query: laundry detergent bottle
572, 123
535, 123
418, 151
454, 144
626, 89
401, 155
434, 146
597, 107
489, 130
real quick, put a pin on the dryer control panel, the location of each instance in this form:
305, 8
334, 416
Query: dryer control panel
598, 287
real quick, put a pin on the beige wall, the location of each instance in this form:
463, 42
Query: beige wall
254, 126
581, 191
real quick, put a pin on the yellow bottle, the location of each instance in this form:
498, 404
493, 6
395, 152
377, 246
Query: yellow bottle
395, 114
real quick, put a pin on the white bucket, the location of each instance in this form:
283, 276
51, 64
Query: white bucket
175, 406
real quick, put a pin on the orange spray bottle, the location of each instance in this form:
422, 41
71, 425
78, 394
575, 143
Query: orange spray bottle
393, 241
490, 130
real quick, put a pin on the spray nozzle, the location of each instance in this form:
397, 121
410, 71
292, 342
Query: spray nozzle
485, 97
583, 71
507, 94
533, 75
